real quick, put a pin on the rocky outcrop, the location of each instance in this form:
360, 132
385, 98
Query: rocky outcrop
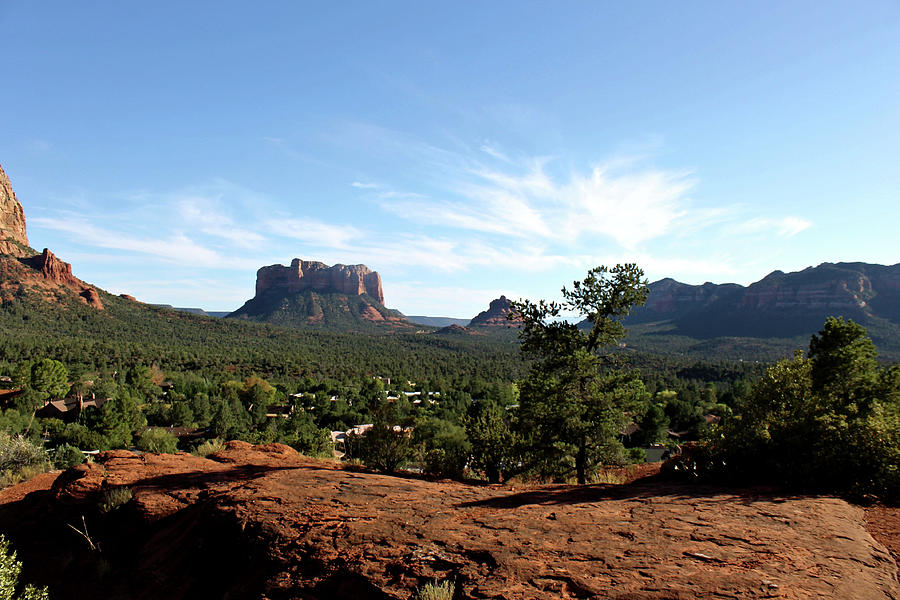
52, 269
13, 240
265, 522
49, 272
304, 275
497, 315
92, 297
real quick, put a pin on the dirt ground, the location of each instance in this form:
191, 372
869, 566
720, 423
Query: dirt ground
264, 522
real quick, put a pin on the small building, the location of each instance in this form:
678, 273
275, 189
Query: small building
279, 411
7, 396
68, 409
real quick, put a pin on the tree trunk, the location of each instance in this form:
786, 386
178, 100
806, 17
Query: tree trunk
493, 474
581, 463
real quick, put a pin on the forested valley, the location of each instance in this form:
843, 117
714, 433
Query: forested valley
169, 380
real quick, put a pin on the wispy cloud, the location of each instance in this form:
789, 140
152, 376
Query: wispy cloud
784, 226
174, 248
628, 208
365, 186
38, 146
463, 212
492, 151
205, 215
312, 231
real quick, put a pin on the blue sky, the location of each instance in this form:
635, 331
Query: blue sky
461, 149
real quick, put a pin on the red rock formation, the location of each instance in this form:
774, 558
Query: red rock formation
50, 272
52, 269
91, 296
303, 275
12, 220
128, 297
263, 521
496, 315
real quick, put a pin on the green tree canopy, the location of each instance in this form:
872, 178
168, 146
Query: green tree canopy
828, 422
572, 405
49, 377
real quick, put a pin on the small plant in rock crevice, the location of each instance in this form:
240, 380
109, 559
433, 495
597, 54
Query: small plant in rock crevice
437, 590
113, 498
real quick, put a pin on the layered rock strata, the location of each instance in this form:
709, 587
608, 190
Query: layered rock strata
303, 275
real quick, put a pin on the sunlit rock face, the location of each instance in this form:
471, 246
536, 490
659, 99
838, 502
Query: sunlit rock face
13, 239
303, 275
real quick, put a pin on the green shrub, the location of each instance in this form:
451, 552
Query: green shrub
636, 456
9, 577
20, 458
113, 498
66, 456
437, 590
444, 446
385, 446
829, 422
157, 440
210, 447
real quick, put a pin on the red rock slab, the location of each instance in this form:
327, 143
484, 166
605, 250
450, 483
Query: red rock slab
309, 529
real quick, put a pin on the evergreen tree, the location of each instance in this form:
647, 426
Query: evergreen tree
570, 412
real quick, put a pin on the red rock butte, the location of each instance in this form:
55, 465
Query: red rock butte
497, 315
303, 275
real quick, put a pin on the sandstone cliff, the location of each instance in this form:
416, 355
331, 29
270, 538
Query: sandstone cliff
497, 315
310, 293
13, 239
303, 275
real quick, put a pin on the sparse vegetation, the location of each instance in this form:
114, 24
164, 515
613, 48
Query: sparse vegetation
66, 456
437, 590
115, 497
608, 477
83, 532
158, 441
210, 447
20, 459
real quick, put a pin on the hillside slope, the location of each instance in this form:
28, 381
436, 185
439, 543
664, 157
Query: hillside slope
40, 318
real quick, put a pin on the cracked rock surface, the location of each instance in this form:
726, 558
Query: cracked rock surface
264, 522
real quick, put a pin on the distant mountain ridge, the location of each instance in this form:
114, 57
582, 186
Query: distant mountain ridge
196, 311
781, 305
436, 321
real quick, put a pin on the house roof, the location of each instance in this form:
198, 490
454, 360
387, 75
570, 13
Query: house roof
10, 394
